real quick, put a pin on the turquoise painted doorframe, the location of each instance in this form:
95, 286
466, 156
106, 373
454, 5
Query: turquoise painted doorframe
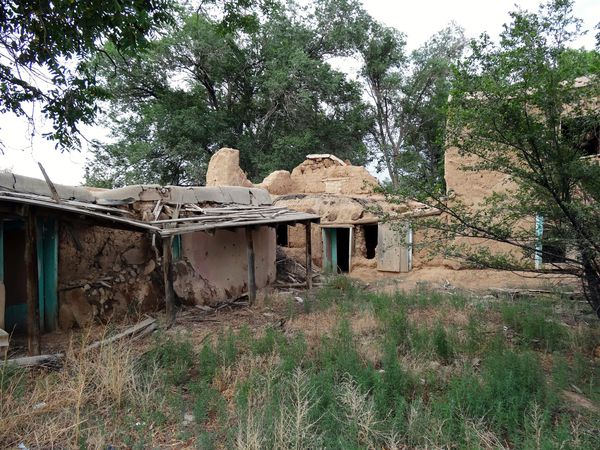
47, 256
330, 260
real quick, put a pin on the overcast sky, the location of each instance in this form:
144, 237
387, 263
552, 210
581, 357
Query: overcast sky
417, 19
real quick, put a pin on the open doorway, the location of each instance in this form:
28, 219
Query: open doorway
281, 232
370, 233
337, 250
13, 274
15, 290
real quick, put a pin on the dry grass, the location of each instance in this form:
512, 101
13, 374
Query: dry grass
430, 316
359, 409
59, 408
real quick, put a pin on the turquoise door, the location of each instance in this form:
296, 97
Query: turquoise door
330, 262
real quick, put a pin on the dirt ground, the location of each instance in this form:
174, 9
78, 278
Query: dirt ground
477, 281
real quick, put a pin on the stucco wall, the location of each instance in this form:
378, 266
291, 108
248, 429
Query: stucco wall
472, 187
217, 265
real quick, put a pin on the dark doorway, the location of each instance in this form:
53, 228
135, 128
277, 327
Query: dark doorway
282, 235
343, 249
370, 232
554, 248
336, 249
15, 313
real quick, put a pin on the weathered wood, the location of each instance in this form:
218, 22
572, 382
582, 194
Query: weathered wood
31, 284
137, 331
51, 186
251, 265
307, 227
54, 360
141, 329
167, 265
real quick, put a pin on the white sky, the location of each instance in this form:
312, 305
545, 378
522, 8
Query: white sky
417, 19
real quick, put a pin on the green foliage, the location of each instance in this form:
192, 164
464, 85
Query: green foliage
521, 109
266, 90
510, 385
174, 354
442, 344
534, 327
46, 46
409, 94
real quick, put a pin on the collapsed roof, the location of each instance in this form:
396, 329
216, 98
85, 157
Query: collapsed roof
175, 209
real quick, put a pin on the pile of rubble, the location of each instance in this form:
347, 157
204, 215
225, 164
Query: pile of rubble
290, 273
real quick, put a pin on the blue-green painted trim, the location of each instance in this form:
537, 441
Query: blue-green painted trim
539, 233
334, 255
47, 259
176, 246
50, 274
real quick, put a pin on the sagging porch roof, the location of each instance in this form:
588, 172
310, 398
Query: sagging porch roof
236, 207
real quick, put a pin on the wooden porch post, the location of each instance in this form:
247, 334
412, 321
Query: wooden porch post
251, 266
31, 274
307, 227
167, 266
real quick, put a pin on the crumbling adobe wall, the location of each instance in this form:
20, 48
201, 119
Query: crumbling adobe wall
104, 273
224, 169
326, 175
359, 250
297, 244
335, 209
278, 183
215, 267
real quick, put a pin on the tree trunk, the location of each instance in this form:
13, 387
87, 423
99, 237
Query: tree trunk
591, 280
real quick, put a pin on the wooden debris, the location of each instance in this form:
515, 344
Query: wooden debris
150, 322
136, 332
51, 186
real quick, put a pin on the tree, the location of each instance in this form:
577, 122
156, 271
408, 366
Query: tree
409, 95
266, 90
44, 46
521, 108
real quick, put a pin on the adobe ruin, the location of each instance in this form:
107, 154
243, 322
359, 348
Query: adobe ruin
70, 255
352, 233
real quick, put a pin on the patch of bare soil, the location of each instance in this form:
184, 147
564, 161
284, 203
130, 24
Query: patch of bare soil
431, 316
444, 278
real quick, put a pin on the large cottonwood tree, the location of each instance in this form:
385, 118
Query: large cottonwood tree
267, 90
408, 93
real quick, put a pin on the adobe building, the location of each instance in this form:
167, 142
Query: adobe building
352, 232
72, 255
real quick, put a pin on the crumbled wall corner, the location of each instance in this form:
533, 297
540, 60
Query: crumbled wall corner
224, 169
278, 183
190, 287
104, 274
325, 175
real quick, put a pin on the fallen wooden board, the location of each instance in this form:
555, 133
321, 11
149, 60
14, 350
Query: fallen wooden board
128, 332
137, 331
